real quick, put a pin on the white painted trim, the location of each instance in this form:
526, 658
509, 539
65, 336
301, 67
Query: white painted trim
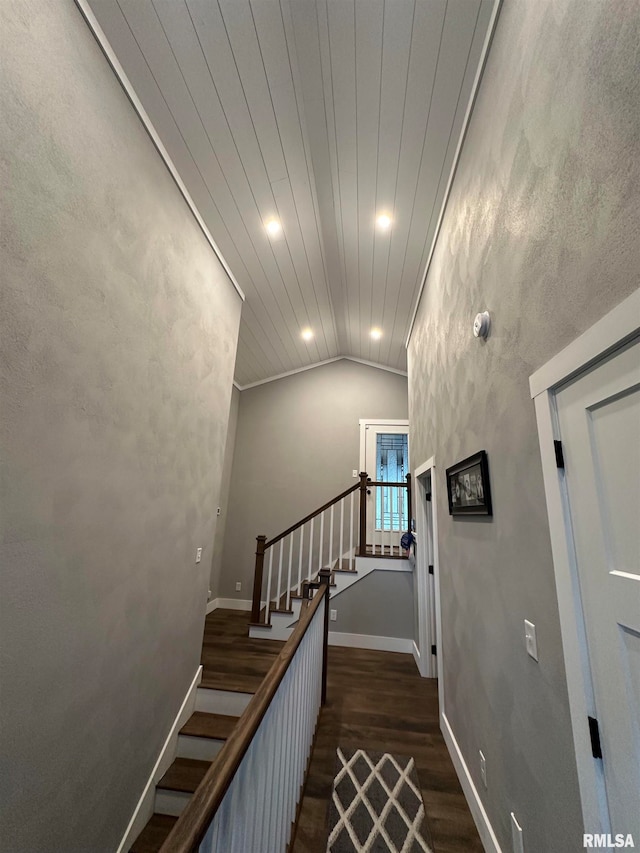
416, 657
482, 822
366, 565
610, 332
144, 809
456, 157
370, 641
375, 364
229, 604
428, 670
366, 422
236, 386
118, 70
318, 364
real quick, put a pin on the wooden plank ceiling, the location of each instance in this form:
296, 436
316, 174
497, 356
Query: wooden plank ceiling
321, 114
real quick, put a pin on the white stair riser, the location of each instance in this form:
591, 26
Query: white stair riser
282, 624
203, 748
228, 702
170, 802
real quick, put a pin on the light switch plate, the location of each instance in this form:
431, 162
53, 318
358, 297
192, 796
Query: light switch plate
198, 554
530, 639
333, 615
354, 473
517, 839
238, 586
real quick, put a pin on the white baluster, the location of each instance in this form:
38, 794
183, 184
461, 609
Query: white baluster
300, 548
310, 550
278, 591
288, 598
268, 606
321, 539
331, 537
341, 533
351, 551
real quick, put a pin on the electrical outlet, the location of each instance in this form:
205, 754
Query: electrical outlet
516, 835
354, 473
238, 586
198, 554
483, 768
209, 596
530, 639
333, 614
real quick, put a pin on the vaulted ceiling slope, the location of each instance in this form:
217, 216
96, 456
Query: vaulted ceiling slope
321, 114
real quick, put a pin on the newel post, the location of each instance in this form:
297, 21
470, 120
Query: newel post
409, 508
257, 578
325, 586
362, 542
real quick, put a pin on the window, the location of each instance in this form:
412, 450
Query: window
392, 466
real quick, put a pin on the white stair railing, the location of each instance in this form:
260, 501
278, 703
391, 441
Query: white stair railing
310, 545
318, 541
248, 799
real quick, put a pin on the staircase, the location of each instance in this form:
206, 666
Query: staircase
282, 618
340, 529
233, 668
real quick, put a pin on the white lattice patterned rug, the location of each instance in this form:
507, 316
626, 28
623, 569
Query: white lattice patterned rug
376, 805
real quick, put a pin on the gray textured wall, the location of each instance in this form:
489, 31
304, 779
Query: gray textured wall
381, 604
225, 486
297, 443
118, 333
542, 229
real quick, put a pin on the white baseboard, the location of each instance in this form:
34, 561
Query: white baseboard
417, 657
144, 809
369, 641
229, 604
485, 830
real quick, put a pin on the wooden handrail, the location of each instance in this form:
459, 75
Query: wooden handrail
404, 485
311, 515
194, 821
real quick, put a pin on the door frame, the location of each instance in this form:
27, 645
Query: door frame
365, 422
427, 471
610, 333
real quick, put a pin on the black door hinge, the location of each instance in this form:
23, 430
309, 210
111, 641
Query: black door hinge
433, 650
430, 570
559, 454
594, 732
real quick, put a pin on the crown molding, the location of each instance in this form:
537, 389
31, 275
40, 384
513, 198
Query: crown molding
318, 364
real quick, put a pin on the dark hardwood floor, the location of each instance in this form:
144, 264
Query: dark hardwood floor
377, 701
231, 659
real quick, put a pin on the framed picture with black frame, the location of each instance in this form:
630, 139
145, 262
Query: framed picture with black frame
468, 487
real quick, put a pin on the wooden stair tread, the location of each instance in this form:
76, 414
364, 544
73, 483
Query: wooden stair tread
201, 724
185, 774
232, 683
154, 834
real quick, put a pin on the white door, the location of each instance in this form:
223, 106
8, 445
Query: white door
599, 422
385, 457
424, 574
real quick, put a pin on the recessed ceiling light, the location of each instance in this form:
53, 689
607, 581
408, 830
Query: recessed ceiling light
383, 221
307, 334
273, 227
376, 334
